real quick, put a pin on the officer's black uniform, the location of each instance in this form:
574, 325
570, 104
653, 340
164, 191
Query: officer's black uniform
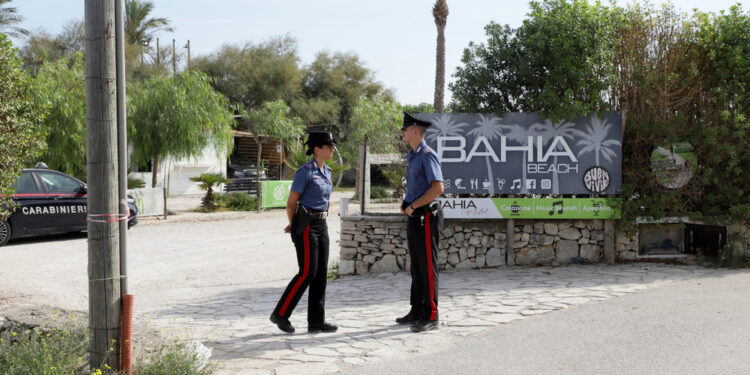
309, 232
423, 231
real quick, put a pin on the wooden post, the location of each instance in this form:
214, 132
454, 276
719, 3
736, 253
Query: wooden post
609, 242
510, 255
102, 168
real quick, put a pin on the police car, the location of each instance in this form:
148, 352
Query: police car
49, 202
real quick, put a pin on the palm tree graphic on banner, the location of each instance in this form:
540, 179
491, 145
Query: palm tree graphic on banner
444, 126
490, 128
594, 139
521, 135
561, 129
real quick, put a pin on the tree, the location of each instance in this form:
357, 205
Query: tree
9, 19
379, 120
19, 142
440, 14
139, 29
42, 47
273, 120
331, 87
251, 75
559, 62
177, 117
207, 181
60, 91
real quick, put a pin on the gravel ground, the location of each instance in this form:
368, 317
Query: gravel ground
168, 259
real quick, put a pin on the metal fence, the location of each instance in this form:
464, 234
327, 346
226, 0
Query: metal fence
380, 178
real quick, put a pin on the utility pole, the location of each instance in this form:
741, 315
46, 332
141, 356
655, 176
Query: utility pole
158, 54
174, 59
188, 55
102, 167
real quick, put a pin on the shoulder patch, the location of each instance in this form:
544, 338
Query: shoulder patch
427, 150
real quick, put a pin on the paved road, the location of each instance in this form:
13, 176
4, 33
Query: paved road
697, 326
186, 254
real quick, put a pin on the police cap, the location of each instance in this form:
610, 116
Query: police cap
410, 120
317, 139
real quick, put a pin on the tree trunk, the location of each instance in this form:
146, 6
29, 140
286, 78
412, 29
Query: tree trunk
440, 69
154, 171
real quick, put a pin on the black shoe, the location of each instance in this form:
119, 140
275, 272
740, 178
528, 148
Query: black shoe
282, 323
424, 325
324, 327
409, 318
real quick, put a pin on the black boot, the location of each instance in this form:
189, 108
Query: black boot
411, 317
282, 323
323, 327
424, 325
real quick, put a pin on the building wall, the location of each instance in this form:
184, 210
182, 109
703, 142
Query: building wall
176, 173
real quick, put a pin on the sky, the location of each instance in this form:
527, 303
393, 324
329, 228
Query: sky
394, 38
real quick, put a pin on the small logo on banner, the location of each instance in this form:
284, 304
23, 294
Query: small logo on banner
596, 179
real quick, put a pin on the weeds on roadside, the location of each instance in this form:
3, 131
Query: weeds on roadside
333, 273
64, 351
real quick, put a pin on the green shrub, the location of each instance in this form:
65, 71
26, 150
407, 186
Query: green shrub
64, 351
171, 360
378, 192
236, 201
39, 352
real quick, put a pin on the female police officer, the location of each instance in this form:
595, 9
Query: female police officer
307, 209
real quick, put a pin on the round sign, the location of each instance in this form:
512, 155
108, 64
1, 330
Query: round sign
278, 193
596, 179
673, 166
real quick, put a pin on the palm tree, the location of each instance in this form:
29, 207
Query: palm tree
595, 140
140, 30
491, 129
8, 21
207, 181
440, 13
561, 129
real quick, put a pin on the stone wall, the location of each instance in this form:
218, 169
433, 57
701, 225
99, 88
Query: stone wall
378, 243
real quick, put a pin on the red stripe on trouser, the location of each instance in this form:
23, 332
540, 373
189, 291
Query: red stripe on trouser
305, 269
430, 275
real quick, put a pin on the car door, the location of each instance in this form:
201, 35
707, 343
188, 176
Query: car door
66, 209
29, 196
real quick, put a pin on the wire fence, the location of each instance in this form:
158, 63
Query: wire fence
381, 178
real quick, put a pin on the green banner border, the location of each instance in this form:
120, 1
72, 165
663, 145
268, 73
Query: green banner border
558, 208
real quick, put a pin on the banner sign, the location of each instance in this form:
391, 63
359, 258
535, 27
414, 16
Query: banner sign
150, 202
274, 193
520, 153
530, 208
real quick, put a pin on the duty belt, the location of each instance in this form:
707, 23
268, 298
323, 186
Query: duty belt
431, 207
302, 210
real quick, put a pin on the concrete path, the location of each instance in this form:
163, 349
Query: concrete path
235, 324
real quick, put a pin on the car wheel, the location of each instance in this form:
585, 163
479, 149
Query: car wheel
5, 232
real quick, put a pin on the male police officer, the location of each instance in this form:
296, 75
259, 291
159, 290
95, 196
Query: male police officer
424, 183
